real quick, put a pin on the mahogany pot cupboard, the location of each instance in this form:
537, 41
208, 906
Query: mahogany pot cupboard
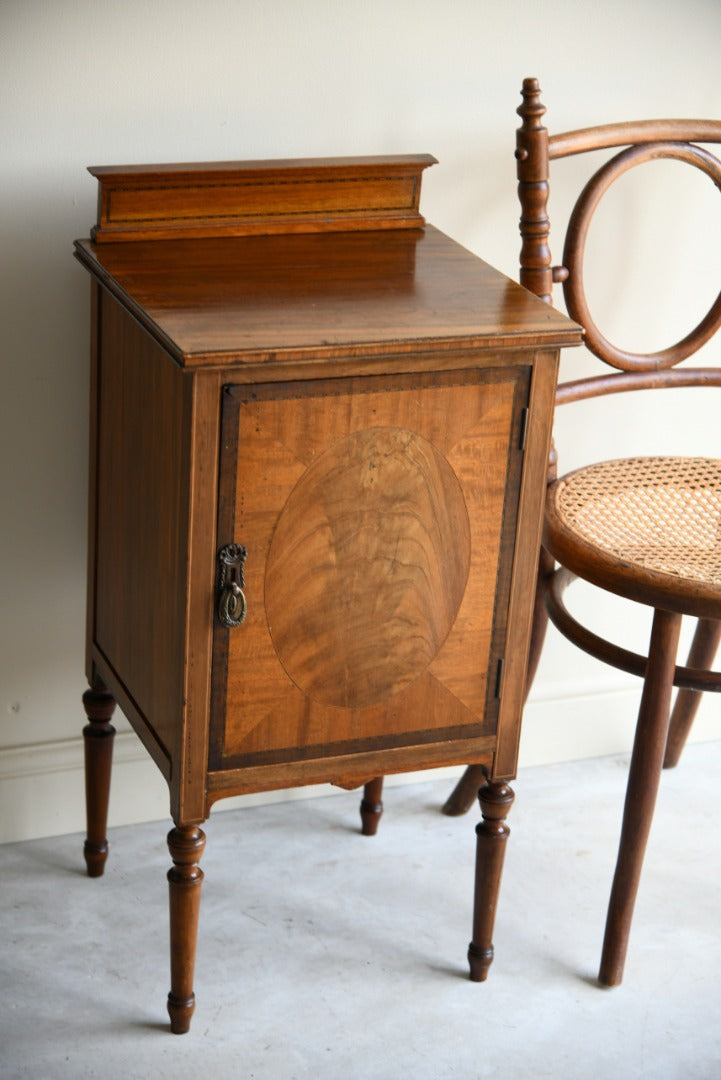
319, 438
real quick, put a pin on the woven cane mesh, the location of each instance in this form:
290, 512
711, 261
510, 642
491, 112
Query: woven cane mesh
663, 514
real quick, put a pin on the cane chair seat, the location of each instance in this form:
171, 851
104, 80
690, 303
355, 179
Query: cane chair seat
649, 525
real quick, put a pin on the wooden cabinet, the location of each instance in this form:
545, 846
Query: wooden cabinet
319, 434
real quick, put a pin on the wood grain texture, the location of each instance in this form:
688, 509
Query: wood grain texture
496, 800
629, 132
360, 593
372, 592
272, 300
139, 618
349, 770
185, 879
200, 465
526, 550
258, 197
644, 775
98, 737
371, 807
703, 651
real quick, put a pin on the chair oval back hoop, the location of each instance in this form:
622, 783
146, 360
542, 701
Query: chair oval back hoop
575, 246
642, 141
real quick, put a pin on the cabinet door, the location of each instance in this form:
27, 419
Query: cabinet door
379, 518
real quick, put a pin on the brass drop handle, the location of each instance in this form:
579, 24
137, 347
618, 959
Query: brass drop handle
232, 605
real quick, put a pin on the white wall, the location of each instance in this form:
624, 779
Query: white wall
86, 82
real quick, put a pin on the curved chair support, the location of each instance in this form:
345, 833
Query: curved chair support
634, 663
624, 382
628, 133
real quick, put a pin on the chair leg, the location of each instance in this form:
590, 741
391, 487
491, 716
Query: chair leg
464, 793
701, 655
371, 806
644, 774
186, 844
496, 799
98, 736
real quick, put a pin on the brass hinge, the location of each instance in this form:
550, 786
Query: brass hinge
524, 430
499, 677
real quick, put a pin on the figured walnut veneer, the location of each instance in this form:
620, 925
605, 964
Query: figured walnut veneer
359, 592
374, 562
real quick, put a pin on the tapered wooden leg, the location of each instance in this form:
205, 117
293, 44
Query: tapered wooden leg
98, 740
644, 774
371, 806
464, 793
186, 844
701, 655
496, 799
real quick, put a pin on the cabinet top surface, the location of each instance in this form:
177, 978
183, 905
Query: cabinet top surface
236, 300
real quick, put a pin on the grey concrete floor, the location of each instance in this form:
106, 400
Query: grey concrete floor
326, 954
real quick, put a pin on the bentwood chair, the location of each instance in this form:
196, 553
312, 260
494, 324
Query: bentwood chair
647, 528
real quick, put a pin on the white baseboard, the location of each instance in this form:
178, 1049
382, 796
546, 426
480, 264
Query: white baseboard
42, 792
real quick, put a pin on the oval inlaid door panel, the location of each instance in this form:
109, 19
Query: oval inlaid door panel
360, 592
376, 514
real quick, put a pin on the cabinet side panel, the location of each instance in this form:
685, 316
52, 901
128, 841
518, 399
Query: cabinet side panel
141, 529
95, 301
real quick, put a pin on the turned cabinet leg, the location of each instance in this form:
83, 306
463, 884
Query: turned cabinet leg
496, 799
702, 655
371, 806
643, 779
186, 844
98, 740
